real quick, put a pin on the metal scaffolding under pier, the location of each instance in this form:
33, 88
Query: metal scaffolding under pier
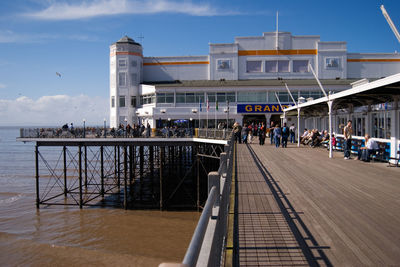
154, 173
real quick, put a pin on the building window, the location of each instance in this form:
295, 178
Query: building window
271, 66
189, 97
180, 98
253, 66
199, 96
122, 63
122, 78
283, 97
122, 101
224, 64
147, 99
283, 65
257, 97
133, 78
300, 66
332, 63
381, 124
133, 101
113, 101
134, 63
165, 98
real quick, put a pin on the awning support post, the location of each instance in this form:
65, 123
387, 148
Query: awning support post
330, 102
298, 127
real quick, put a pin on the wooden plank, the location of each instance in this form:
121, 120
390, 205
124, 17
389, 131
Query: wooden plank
349, 206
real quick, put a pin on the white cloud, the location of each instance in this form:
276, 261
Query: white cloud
53, 110
95, 8
2, 86
7, 36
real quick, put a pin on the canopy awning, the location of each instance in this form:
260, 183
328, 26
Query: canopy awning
380, 91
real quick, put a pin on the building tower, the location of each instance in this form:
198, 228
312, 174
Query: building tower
126, 67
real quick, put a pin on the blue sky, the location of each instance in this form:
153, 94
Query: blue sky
41, 37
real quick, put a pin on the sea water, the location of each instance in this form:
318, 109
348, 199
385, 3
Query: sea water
65, 235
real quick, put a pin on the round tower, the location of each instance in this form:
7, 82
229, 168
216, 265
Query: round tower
126, 59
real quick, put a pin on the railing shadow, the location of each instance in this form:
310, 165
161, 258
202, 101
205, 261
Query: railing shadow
313, 253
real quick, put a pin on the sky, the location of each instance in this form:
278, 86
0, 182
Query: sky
72, 37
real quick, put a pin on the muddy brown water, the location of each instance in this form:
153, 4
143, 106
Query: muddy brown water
67, 236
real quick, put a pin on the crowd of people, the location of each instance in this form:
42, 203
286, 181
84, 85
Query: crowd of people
314, 138
279, 137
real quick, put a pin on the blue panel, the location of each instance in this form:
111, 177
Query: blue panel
261, 108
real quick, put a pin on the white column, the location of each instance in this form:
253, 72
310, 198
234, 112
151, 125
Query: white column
330, 128
298, 127
394, 131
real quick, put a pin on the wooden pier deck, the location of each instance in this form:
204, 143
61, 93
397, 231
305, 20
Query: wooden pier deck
295, 206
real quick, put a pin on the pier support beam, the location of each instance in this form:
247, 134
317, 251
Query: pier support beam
125, 177
118, 170
131, 162
102, 171
141, 163
80, 177
86, 182
65, 170
37, 175
162, 159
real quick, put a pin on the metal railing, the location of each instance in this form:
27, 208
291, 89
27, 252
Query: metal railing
208, 242
224, 134
98, 132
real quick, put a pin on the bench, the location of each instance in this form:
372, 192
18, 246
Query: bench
396, 160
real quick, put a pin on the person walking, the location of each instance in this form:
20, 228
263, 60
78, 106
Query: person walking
277, 135
237, 130
292, 133
347, 132
245, 133
261, 134
271, 131
285, 134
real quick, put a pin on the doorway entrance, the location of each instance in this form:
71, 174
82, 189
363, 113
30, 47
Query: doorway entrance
256, 119
276, 118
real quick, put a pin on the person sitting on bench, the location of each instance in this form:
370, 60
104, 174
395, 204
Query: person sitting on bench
371, 146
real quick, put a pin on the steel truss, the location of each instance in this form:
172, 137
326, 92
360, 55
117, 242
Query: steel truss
129, 176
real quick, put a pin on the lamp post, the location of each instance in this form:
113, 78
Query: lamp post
169, 126
191, 127
227, 114
126, 121
105, 134
84, 128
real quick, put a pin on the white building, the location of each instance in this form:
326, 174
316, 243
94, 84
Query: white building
249, 73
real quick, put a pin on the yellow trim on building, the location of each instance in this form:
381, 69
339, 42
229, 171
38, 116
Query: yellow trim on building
176, 63
277, 52
373, 60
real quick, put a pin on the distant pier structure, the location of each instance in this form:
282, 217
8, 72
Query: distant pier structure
151, 173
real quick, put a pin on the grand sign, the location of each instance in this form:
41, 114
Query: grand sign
261, 108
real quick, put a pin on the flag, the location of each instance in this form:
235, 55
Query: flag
200, 105
216, 105
208, 105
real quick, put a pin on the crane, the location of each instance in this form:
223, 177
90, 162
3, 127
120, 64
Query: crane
390, 22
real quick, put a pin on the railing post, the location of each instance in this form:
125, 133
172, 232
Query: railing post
214, 180
223, 162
